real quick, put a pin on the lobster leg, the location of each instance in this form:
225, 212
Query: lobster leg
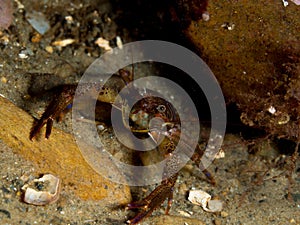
154, 200
54, 111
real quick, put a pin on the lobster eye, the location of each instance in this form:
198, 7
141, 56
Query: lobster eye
161, 108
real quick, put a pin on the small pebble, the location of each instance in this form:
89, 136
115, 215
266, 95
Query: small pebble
182, 189
102, 43
119, 42
4, 40
100, 127
118, 155
63, 43
224, 214
183, 213
215, 205
3, 80
23, 56
26, 97
205, 16
36, 38
49, 49
69, 19
217, 221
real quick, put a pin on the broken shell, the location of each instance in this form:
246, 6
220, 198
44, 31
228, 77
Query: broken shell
272, 109
119, 42
199, 197
102, 43
205, 16
220, 154
42, 191
63, 43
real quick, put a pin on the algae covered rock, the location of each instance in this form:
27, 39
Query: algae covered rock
253, 48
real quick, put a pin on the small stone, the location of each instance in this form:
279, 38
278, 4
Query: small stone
205, 16
217, 221
26, 97
3, 80
215, 205
23, 56
63, 43
119, 42
183, 213
100, 127
69, 19
49, 49
36, 38
182, 189
224, 214
102, 43
4, 40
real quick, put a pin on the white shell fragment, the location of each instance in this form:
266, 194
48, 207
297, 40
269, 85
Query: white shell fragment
42, 191
119, 42
205, 16
220, 154
103, 43
272, 109
63, 43
202, 198
183, 213
285, 3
